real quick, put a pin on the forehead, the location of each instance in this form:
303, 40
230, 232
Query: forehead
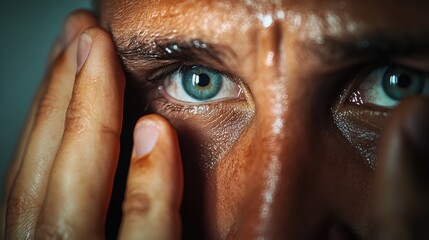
252, 30
246, 13
220, 20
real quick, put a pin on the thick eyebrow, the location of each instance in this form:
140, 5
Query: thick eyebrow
142, 53
333, 50
137, 53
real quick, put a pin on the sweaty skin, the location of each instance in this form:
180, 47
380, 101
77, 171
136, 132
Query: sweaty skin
294, 155
303, 160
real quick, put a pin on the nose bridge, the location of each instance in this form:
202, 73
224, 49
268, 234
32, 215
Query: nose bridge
276, 201
279, 169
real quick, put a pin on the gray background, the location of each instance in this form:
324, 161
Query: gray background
27, 30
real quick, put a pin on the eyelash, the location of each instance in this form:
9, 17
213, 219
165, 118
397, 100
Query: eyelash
362, 76
156, 77
354, 76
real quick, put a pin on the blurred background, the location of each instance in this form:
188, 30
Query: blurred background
28, 28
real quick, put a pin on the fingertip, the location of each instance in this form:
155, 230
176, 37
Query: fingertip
155, 133
402, 179
155, 182
76, 22
164, 153
162, 123
146, 134
410, 121
416, 124
102, 59
64, 47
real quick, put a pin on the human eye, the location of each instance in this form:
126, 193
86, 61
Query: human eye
388, 85
373, 90
209, 108
199, 84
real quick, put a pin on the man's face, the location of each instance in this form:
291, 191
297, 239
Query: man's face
278, 104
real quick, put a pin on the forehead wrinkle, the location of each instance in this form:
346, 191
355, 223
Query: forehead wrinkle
229, 22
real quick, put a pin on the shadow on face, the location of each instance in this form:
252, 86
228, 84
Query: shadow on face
278, 105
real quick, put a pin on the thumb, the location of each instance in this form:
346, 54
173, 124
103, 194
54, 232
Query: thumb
155, 183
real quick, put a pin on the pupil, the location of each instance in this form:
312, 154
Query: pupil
203, 80
404, 81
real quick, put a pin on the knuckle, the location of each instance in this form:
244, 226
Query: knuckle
81, 118
21, 215
78, 117
109, 131
22, 205
19, 231
48, 107
136, 203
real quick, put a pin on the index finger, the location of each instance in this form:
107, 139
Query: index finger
403, 179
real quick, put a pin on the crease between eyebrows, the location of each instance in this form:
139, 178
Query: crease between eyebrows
137, 52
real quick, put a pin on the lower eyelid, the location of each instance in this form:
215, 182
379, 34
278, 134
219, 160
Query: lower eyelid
192, 106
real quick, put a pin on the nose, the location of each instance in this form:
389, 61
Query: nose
303, 181
295, 185
281, 200
281, 191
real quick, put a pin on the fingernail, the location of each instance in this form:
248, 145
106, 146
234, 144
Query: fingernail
83, 50
145, 137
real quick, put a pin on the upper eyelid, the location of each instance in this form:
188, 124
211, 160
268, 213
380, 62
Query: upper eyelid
361, 77
138, 57
162, 72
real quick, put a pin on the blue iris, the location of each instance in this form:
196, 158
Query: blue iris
399, 83
201, 83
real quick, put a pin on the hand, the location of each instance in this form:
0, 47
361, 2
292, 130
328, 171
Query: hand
403, 174
61, 178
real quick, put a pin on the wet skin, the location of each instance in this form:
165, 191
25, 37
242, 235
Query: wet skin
293, 155
295, 120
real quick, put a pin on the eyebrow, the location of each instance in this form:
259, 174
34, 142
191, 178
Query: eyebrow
333, 50
138, 53
166, 50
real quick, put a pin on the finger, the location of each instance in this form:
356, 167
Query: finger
155, 183
82, 174
43, 134
403, 179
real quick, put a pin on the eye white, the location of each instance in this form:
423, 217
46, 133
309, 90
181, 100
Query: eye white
371, 89
174, 88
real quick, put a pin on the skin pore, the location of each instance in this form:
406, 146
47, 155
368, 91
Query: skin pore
239, 119
294, 154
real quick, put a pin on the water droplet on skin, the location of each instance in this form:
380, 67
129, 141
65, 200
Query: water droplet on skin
334, 24
269, 60
176, 48
266, 20
294, 20
351, 26
320, 40
280, 14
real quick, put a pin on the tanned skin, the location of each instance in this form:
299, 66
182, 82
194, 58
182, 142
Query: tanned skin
301, 148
